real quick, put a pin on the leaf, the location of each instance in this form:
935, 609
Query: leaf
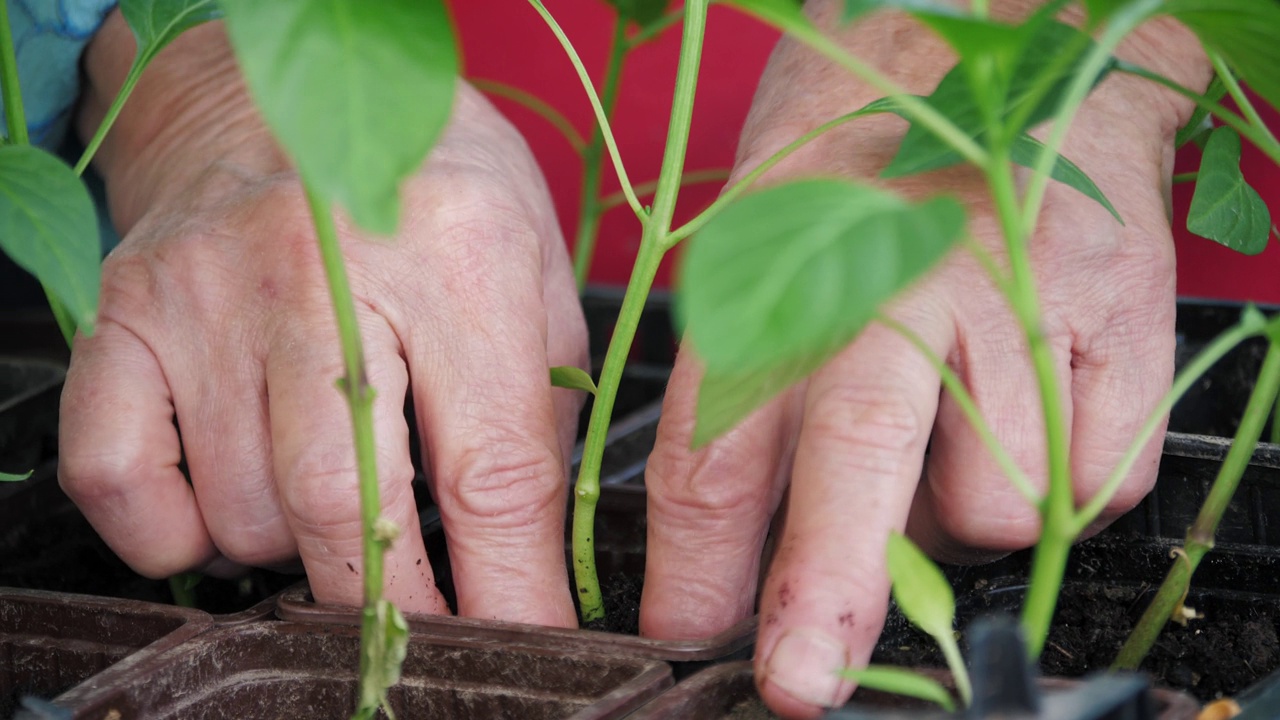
573, 378
920, 589
784, 278
8, 477
1026, 152
49, 228
384, 656
1245, 32
1224, 208
786, 15
641, 12
853, 9
357, 92
155, 23
1200, 122
901, 681
922, 151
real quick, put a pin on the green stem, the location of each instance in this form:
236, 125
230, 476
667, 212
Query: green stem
744, 183
654, 29
960, 394
955, 663
1056, 510
1198, 366
587, 490
1275, 423
602, 118
535, 105
1185, 177
130, 80
1200, 537
355, 385
1121, 23
1237, 93
592, 158
645, 189
1267, 145
10, 88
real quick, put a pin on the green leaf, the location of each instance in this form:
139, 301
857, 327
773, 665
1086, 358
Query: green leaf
1224, 208
7, 477
155, 23
853, 9
1026, 152
1200, 122
922, 151
1245, 32
784, 278
900, 681
920, 589
49, 228
383, 656
357, 92
573, 378
641, 12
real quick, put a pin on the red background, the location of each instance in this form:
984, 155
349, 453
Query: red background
506, 41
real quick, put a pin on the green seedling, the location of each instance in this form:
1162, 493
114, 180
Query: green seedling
10, 477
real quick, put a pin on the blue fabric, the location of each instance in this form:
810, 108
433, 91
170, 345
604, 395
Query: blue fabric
49, 36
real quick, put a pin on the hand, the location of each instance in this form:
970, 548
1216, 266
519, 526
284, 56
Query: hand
215, 310
850, 442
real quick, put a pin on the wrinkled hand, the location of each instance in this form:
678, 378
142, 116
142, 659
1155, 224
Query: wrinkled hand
850, 442
215, 312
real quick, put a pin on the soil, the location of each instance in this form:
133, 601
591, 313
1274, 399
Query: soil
1233, 646
621, 605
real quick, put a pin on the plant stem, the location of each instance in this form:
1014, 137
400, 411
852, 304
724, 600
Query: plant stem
10, 88
1198, 366
960, 394
602, 119
587, 490
355, 385
645, 189
130, 80
591, 209
1185, 177
535, 105
1242, 100
744, 183
654, 29
1056, 510
1268, 146
1200, 537
1121, 23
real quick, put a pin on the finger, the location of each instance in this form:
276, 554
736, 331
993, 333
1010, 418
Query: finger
222, 413
867, 418
967, 509
119, 454
717, 499
566, 333
484, 402
1121, 370
315, 462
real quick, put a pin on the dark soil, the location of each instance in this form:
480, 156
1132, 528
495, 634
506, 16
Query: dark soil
621, 605
1233, 646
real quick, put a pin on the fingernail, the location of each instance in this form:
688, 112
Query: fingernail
805, 663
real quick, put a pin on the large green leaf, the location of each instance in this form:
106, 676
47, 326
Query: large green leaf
1224, 208
1245, 32
356, 91
784, 278
49, 228
1038, 66
155, 23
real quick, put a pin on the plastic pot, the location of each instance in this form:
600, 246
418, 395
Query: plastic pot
271, 670
49, 642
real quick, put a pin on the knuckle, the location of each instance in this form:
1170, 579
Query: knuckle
876, 429
991, 519
94, 478
708, 486
509, 486
321, 499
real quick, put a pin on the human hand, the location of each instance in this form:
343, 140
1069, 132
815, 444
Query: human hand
215, 310
850, 442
